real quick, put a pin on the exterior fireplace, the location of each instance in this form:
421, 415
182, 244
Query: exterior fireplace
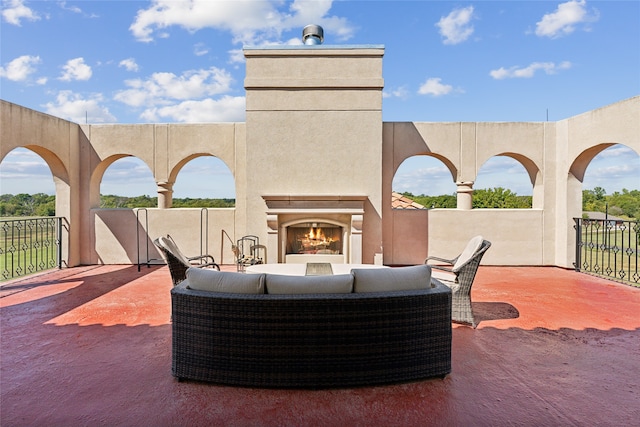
315, 228
314, 238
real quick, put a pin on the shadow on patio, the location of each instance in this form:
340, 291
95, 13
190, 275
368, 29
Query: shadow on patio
92, 346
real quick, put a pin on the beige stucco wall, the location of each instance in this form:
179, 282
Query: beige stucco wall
314, 129
555, 155
118, 234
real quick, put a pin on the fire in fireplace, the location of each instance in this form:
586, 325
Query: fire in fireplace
314, 238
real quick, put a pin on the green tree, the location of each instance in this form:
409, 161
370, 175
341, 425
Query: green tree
627, 202
500, 198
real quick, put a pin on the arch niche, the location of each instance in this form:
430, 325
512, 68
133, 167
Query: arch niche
533, 173
98, 174
166, 189
429, 157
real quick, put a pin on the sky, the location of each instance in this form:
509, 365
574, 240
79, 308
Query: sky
165, 61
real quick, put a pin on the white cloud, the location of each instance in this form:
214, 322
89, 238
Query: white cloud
426, 175
161, 88
129, 64
249, 22
564, 19
74, 9
614, 169
71, 106
434, 87
617, 150
200, 49
225, 109
529, 71
23, 171
20, 68
400, 92
456, 27
16, 10
23, 163
504, 172
76, 69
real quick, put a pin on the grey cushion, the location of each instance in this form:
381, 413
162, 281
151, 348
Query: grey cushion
391, 279
329, 284
221, 281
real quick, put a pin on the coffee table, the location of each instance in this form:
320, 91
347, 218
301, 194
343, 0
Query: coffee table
306, 269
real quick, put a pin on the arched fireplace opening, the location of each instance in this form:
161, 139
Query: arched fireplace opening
303, 228
314, 238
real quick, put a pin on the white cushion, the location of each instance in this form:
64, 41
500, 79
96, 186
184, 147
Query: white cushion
222, 281
171, 247
327, 284
391, 279
443, 276
471, 248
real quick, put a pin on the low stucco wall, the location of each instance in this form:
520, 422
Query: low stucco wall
118, 231
410, 236
516, 235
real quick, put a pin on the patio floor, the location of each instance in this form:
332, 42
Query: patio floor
92, 346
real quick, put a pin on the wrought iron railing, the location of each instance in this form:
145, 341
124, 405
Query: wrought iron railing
608, 248
29, 245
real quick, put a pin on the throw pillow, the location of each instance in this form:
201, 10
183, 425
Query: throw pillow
223, 281
391, 279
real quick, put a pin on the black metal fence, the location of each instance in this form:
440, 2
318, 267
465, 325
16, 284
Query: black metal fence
608, 248
29, 245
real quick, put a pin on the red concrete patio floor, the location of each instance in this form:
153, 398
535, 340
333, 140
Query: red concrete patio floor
92, 346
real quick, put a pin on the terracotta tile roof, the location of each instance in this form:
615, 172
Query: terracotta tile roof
398, 201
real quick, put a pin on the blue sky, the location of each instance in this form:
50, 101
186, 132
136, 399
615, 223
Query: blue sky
174, 61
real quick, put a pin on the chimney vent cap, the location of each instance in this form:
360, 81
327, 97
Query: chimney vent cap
312, 34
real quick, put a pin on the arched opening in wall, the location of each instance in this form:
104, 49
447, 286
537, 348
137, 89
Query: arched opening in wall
128, 183
503, 183
426, 180
28, 187
204, 181
611, 183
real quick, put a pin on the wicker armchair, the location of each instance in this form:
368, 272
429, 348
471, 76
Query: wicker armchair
178, 262
459, 276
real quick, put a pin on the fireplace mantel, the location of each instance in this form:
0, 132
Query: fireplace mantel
345, 203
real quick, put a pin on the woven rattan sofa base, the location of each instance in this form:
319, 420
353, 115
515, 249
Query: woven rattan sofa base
311, 341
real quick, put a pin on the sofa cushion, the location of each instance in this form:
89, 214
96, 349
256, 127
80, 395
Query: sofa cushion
327, 284
222, 281
391, 279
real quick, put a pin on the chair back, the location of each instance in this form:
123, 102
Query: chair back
177, 262
469, 251
467, 272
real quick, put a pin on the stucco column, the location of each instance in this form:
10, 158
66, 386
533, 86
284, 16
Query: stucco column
465, 194
165, 194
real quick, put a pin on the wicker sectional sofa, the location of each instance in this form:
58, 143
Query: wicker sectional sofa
368, 327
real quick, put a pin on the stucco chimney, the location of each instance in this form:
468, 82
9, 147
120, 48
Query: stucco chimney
312, 34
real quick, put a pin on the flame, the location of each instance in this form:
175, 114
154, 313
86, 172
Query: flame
316, 234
